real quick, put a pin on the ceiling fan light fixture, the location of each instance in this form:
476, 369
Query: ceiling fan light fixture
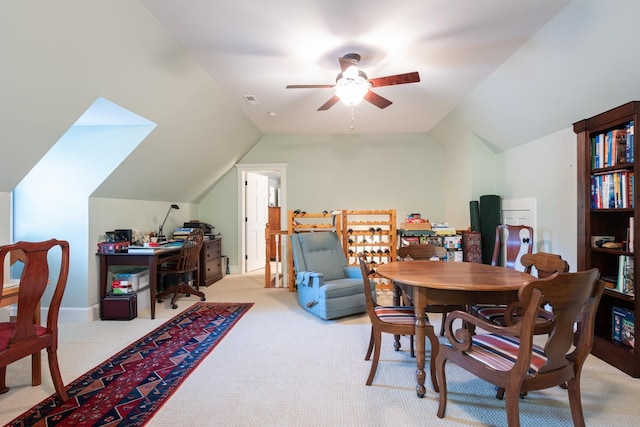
352, 86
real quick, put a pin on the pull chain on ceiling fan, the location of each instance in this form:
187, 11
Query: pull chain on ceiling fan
353, 85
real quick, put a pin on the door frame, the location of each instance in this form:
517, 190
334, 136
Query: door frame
243, 169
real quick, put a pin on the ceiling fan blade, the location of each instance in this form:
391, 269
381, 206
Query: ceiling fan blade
330, 103
309, 86
377, 100
398, 79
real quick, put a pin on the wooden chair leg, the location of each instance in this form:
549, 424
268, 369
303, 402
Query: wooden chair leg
575, 402
444, 317
36, 368
513, 407
435, 348
376, 356
442, 382
370, 349
411, 348
396, 342
3, 384
55, 375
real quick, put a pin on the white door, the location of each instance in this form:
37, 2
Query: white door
257, 211
517, 217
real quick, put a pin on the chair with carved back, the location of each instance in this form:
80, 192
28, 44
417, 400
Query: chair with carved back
426, 252
21, 337
545, 264
506, 355
179, 275
396, 320
511, 244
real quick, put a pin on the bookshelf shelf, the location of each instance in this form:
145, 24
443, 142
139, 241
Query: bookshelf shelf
608, 206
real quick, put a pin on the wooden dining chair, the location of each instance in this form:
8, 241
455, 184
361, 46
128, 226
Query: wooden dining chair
508, 358
20, 337
396, 320
177, 276
428, 252
512, 242
545, 264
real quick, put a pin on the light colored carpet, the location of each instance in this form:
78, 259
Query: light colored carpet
280, 366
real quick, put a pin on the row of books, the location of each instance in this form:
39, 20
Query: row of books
613, 147
613, 190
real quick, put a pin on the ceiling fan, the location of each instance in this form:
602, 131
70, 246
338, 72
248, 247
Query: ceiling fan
353, 85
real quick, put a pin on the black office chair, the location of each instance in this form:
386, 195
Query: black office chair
177, 277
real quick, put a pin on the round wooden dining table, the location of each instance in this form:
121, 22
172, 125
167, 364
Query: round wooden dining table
455, 283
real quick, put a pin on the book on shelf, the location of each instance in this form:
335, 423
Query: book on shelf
625, 280
613, 147
630, 142
612, 190
622, 326
631, 235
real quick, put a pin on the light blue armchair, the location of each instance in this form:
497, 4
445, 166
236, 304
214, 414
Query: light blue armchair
327, 286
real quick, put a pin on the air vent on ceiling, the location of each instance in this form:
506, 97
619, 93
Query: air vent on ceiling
251, 100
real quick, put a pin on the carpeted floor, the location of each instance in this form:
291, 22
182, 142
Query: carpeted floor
128, 388
283, 367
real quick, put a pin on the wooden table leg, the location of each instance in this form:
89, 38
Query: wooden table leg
424, 329
153, 284
396, 301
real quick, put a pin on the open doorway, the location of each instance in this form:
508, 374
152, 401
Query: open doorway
261, 186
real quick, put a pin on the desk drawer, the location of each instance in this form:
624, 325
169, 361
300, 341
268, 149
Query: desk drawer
213, 268
211, 262
212, 249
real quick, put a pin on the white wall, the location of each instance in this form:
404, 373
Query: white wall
545, 169
402, 172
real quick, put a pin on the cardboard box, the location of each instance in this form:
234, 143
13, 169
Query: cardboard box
130, 281
622, 326
415, 226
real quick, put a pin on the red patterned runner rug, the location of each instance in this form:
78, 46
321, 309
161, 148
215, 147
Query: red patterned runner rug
128, 388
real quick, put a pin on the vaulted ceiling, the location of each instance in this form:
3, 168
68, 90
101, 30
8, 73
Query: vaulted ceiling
256, 50
505, 71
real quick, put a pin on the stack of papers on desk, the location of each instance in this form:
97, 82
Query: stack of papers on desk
142, 250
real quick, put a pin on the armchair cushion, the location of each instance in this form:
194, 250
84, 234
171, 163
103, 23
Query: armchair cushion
327, 286
324, 256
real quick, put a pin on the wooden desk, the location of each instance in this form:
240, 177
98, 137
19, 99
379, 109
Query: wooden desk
441, 282
9, 295
152, 261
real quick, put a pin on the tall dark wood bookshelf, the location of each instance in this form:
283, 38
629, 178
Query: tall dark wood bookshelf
608, 219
